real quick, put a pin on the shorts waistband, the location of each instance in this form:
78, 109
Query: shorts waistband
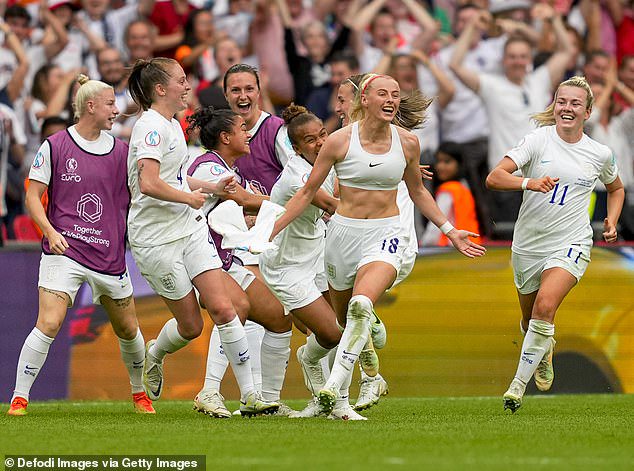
365, 223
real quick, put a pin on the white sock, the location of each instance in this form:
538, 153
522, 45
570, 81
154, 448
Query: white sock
536, 344
32, 358
235, 345
355, 335
522, 327
276, 348
133, 355
168, 341
216, 362
313, 352
255, 334
328, 361
344, 390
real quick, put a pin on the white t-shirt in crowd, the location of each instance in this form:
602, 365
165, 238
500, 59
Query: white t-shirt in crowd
510, 106
551, 221
464, 119
617, 137
152, 221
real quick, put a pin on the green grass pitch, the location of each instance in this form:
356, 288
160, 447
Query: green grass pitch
593, 432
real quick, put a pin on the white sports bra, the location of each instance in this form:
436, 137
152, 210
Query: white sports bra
360, 169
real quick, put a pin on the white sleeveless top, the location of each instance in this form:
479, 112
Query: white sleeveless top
360, 169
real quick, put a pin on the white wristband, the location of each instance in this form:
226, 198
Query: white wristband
446, 228
525, 183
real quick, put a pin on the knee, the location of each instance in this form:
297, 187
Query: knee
544, 309
127, 331
330, 339
223, 314
191, 328
280, 324
49, 327
242, 307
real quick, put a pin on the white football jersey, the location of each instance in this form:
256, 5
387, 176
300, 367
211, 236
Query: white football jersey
303, 240
153, 221
550, 221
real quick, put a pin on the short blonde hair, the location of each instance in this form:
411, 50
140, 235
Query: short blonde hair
87, 89
547, 117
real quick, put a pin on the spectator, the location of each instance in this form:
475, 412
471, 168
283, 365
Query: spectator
226, 54
196, 55
612, 126
170, 17
112, 72
464, 120
383, 28
311, 72
110, 24
140, 40
343, 64
596, 67
14, 66
81, 40
453, 196
511, 99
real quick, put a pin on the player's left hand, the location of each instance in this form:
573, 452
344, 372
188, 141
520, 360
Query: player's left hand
460, 240
609, 231
427, 175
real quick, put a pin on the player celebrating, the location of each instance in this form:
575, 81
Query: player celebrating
169, 237
411, 114
295, 270
83, 169
365, 240
552, 239
223, 133
269, 152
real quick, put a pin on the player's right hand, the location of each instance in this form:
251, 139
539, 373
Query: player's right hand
542, 185
461, 242
197, 199
56, 242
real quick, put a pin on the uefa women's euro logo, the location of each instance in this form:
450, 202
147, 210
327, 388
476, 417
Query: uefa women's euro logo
71, 171
153, 138
38, 161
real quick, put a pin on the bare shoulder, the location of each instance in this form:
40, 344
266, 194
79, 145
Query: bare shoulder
341, 135
409, 141
338, 143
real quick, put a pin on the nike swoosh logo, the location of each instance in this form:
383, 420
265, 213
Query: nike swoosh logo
31, 367
374, 165
349, 353
528, 353
155, 393
138, 362
243, 353
172, 147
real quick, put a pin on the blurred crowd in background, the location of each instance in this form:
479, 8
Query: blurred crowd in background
489, 65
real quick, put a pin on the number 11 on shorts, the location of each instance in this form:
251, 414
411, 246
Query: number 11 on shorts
391, 245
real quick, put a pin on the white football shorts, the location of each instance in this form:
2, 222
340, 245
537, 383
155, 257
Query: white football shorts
169, 268
527, 269
353, 243
60, 273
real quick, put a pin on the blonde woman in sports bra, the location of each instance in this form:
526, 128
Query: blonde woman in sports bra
365, 240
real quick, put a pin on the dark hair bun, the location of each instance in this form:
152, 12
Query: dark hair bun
293, 111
